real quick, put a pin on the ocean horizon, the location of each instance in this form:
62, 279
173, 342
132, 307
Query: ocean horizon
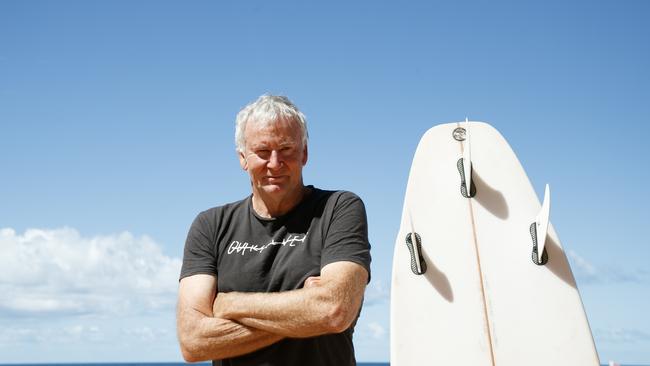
183, 363
147, 364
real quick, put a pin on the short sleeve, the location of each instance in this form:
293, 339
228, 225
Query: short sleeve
199, 255
347, 235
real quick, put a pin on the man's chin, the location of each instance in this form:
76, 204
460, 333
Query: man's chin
272, 188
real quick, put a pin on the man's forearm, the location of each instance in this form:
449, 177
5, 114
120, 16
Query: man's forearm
323, 306
296, 313
215, 338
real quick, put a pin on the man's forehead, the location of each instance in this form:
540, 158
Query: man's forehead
277, 128
279, 122
278, 132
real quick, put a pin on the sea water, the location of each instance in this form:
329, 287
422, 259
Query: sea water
182, 364
149, 364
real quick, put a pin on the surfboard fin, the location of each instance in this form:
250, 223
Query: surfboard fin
464, 164
418, 265
539, 230
414, 243
463, 182
467, 157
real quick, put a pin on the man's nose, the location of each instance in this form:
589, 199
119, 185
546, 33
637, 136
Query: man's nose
274, 160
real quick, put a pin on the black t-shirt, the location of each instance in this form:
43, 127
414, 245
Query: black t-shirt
248, 253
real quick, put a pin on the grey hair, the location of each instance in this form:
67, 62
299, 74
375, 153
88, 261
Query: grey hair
268, 108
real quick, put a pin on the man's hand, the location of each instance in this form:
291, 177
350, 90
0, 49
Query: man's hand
312, 282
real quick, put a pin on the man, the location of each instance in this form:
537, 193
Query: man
277, 278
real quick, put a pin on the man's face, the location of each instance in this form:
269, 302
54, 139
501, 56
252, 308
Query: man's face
274, 156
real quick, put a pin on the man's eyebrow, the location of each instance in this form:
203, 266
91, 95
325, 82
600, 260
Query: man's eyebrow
259, 145
266, 145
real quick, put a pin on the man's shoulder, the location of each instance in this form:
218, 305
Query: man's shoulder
339, 198
332, 201
227, 209
338, 194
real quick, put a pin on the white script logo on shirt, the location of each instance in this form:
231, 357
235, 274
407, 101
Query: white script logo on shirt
241, 247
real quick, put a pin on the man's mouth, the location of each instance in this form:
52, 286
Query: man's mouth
275, 178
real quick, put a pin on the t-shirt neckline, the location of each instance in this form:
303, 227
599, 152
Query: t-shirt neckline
305, 198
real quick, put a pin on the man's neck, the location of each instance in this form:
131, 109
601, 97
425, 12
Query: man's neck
270, 206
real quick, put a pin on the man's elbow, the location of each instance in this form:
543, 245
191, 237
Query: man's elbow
190, 348
339, 318
190, 356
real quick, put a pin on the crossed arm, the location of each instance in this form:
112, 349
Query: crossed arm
214, 325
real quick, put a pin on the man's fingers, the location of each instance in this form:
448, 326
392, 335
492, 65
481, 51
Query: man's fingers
312, 281
215, 307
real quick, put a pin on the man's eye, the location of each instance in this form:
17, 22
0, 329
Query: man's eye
264, 154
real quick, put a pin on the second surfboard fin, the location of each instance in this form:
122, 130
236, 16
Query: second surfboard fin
539, 230
414, 243
418, 265
464, 164
463, 182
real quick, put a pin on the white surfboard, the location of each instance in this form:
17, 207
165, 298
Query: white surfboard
471, 289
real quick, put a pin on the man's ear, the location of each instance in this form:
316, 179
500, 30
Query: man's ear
305, 155
242, 160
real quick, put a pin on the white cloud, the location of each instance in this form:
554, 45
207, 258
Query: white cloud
581, 264
621, 335
146, 334
49, 334
376, 293
587, 273
60, 272
376, 330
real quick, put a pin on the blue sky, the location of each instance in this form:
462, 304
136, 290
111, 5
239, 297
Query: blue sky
117, 125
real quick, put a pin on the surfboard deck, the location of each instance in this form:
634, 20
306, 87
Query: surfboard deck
481, 299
